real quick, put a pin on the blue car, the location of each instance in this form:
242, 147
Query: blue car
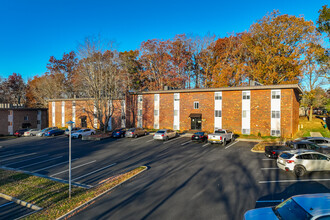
54, 132
119, 133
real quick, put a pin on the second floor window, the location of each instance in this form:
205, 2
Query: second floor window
196, 105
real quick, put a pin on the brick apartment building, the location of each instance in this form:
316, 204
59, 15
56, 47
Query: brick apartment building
13, 118
266, 110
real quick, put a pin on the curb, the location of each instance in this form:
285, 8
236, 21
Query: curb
76, 210
20, 202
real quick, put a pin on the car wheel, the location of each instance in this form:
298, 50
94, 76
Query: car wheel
92, 133
42, 135
135, 136
145, 133
166, 138
79, 136
31, 135
224, 142
299, 171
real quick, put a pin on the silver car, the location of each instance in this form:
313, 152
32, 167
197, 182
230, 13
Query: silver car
301, 161
323, 141
43, 131
135, 132
308, 206
164, 134
73, 130
31, 132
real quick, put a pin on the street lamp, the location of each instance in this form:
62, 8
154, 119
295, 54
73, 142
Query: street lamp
70, 123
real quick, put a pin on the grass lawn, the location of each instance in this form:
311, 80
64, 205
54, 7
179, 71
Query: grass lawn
311, 126
53, 196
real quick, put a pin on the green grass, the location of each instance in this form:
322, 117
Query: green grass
312, 126
53, 196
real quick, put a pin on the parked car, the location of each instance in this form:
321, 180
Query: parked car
83, 132
135, 132
221, 136
20, 132
119, 132
308, 206
54, 132
73, 130
274, 151
43, 131
165, 134
31, 132
199, 136
316, 140
301, 161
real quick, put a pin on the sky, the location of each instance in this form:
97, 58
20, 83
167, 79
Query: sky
33, 30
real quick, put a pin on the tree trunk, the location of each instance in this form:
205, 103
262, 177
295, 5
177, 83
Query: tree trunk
311, 113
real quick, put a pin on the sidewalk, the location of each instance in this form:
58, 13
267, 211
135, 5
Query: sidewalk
315, 134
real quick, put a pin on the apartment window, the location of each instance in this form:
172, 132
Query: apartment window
10, 123
176, 97
123, 117
275, 132
217, 113
140, 98
39, 112
73, 103
276, 94
10, 112
156, 98
217, 96
245, 131
276, 114
196, 105
26, 118
38, 122
156, 126
246, 95
156, 112
63, 104
83, 110
244, 113
176, 112
140, 112
176, 127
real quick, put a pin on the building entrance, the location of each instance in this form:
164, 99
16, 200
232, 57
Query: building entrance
196, 121
83, 121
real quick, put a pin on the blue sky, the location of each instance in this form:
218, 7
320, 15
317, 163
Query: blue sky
33, 30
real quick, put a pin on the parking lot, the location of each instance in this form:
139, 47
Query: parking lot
185, 180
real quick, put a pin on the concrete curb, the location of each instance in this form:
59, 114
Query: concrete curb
20, 202
76, 210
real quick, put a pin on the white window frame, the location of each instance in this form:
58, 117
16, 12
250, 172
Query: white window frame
246, 95
276, 94
196, 105
217, 113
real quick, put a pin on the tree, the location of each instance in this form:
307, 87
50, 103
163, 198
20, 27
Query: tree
130, 68
100, 79
275, 48
323, 21
12, 89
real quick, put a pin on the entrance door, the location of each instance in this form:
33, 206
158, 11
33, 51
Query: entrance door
196, 123
83, 121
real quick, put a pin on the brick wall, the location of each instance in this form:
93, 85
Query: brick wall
206, 108
166, 110
295, 112
4, 121
232, 110
148, 111
260, 112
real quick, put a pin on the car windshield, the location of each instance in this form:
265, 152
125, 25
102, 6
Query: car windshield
160, 132
286, 155
199, 133
80, 131
45, 129
220, 132
289, 209
131, 129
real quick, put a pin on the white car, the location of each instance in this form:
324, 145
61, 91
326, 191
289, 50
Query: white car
31, 132
164, 134
308, 206
301, 161
83, 132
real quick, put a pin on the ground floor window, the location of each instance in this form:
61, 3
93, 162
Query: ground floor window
275, 133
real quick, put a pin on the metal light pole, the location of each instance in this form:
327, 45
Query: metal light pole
70, 123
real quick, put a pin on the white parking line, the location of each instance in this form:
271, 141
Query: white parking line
290, 181
206, 144
139, 138
24, 155
268, 159
270, 168
186, 142
26, 160
231, 144
172, 140
150, 140
10, 154
73, 168
8, 203
94, 172
53, 166
29, 165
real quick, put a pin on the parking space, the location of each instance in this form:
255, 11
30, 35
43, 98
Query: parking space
12, 210
228, 180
